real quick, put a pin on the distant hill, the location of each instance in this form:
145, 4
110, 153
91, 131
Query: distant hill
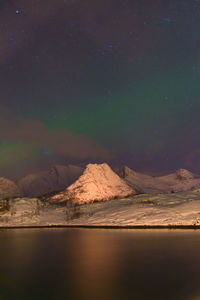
8, 189
181, 180
53, 180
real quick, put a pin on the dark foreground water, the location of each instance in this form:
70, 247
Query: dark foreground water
99, 264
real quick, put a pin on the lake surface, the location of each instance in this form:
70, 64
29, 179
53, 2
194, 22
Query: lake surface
99, 264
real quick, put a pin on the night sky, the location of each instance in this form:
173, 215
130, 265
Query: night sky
93, 81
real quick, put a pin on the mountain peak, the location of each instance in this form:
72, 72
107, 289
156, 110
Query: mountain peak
126, 171
98, 183
8, 189
183, 174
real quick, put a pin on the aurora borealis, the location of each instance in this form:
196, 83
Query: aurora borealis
85, 81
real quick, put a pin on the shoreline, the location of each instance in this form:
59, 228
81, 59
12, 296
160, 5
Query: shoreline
177, 211
194, 227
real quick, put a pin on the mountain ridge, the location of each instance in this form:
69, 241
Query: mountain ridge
97, 183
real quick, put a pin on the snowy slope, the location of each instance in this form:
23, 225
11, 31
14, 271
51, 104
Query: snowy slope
181, 180
181, 208
53, 180
98, 183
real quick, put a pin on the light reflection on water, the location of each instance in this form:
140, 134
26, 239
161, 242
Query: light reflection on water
99, 264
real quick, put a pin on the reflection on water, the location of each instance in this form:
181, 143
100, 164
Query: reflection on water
99, 264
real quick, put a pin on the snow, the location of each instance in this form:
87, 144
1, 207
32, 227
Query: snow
97, 183
85, 202
181, 180
55, 179
178, 209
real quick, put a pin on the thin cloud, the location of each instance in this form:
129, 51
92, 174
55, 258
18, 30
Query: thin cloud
60, 142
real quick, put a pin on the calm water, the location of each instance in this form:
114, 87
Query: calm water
99, 264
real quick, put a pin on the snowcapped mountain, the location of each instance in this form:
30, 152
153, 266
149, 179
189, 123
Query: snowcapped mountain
53, 180
181, 180
8, 189
98, 183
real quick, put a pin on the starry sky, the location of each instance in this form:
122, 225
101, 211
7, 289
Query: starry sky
93, 81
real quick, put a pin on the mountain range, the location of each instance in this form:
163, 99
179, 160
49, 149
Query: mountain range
97, 182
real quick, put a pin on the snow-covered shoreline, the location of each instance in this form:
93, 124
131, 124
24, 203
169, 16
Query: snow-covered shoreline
178, 210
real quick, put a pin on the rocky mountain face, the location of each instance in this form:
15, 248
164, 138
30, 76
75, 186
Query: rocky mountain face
8, 189
141, 182
181, 175
98, 183
181, 180
43, 183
